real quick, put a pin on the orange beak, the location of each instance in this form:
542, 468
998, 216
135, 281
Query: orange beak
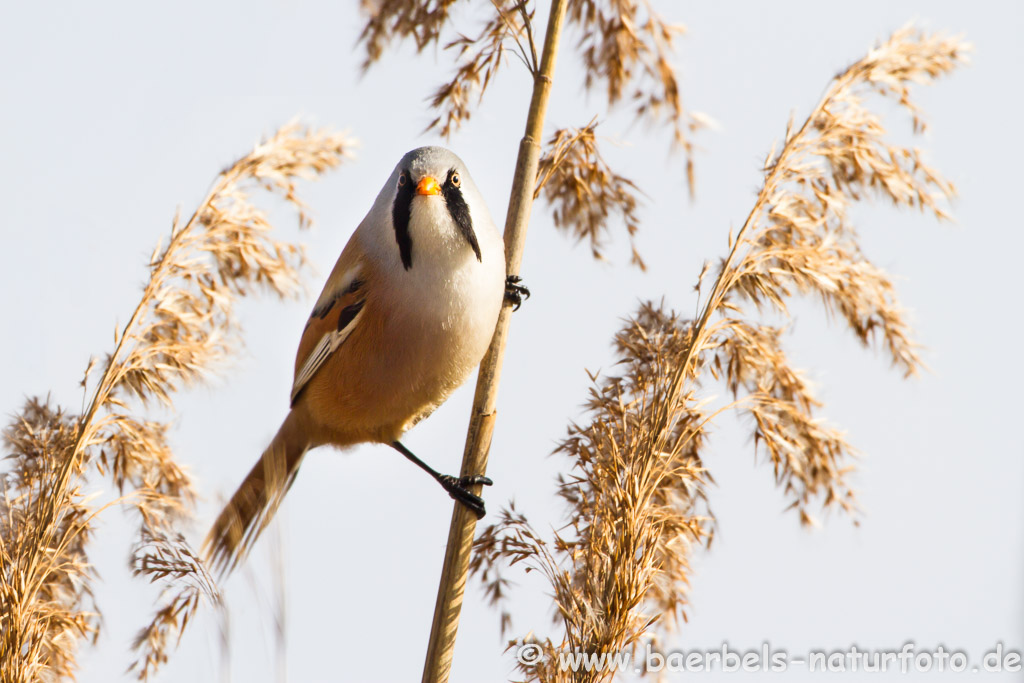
428, 185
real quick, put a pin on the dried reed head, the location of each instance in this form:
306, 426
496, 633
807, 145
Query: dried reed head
478, 60
182, 328
168, 558
636, 503
387, 19
46, 604
586, 195
627, 46
637, 492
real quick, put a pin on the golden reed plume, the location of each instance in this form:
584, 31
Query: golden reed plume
637, 493
182, 328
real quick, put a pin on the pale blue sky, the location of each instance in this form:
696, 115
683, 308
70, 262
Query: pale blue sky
116, 113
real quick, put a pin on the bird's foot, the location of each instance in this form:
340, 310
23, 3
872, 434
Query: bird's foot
458, 489
515, 292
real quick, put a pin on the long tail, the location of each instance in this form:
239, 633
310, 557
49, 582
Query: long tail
257, 499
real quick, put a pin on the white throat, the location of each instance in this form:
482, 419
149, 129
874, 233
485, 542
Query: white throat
436, 239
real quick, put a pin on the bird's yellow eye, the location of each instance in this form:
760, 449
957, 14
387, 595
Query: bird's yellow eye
456, 180
402, 180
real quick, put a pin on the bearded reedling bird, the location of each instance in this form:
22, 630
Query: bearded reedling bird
405, 316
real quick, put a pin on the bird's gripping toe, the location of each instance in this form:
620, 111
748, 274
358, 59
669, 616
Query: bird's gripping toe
458, 489
515, 292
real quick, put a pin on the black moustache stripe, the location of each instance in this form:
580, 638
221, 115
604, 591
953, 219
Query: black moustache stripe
400, 217
459, 211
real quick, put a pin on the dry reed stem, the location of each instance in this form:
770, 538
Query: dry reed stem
182, 328
451, 588
636, 497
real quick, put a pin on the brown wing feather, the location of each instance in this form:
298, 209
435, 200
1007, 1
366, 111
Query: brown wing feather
336, 310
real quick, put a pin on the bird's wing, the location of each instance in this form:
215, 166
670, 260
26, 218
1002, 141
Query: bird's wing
336, 314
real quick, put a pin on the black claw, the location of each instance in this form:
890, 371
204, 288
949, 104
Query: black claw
473, 479
515, 292
456, 488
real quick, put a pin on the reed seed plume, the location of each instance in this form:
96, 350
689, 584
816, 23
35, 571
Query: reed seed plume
585, 194
46, 601
388, 19
168, 559
478, 60
479, 54
628, 47
637, 493
182, 329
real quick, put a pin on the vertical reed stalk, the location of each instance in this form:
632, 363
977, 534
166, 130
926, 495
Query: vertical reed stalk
452, 587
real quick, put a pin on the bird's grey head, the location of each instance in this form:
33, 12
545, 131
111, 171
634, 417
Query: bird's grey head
432, 171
